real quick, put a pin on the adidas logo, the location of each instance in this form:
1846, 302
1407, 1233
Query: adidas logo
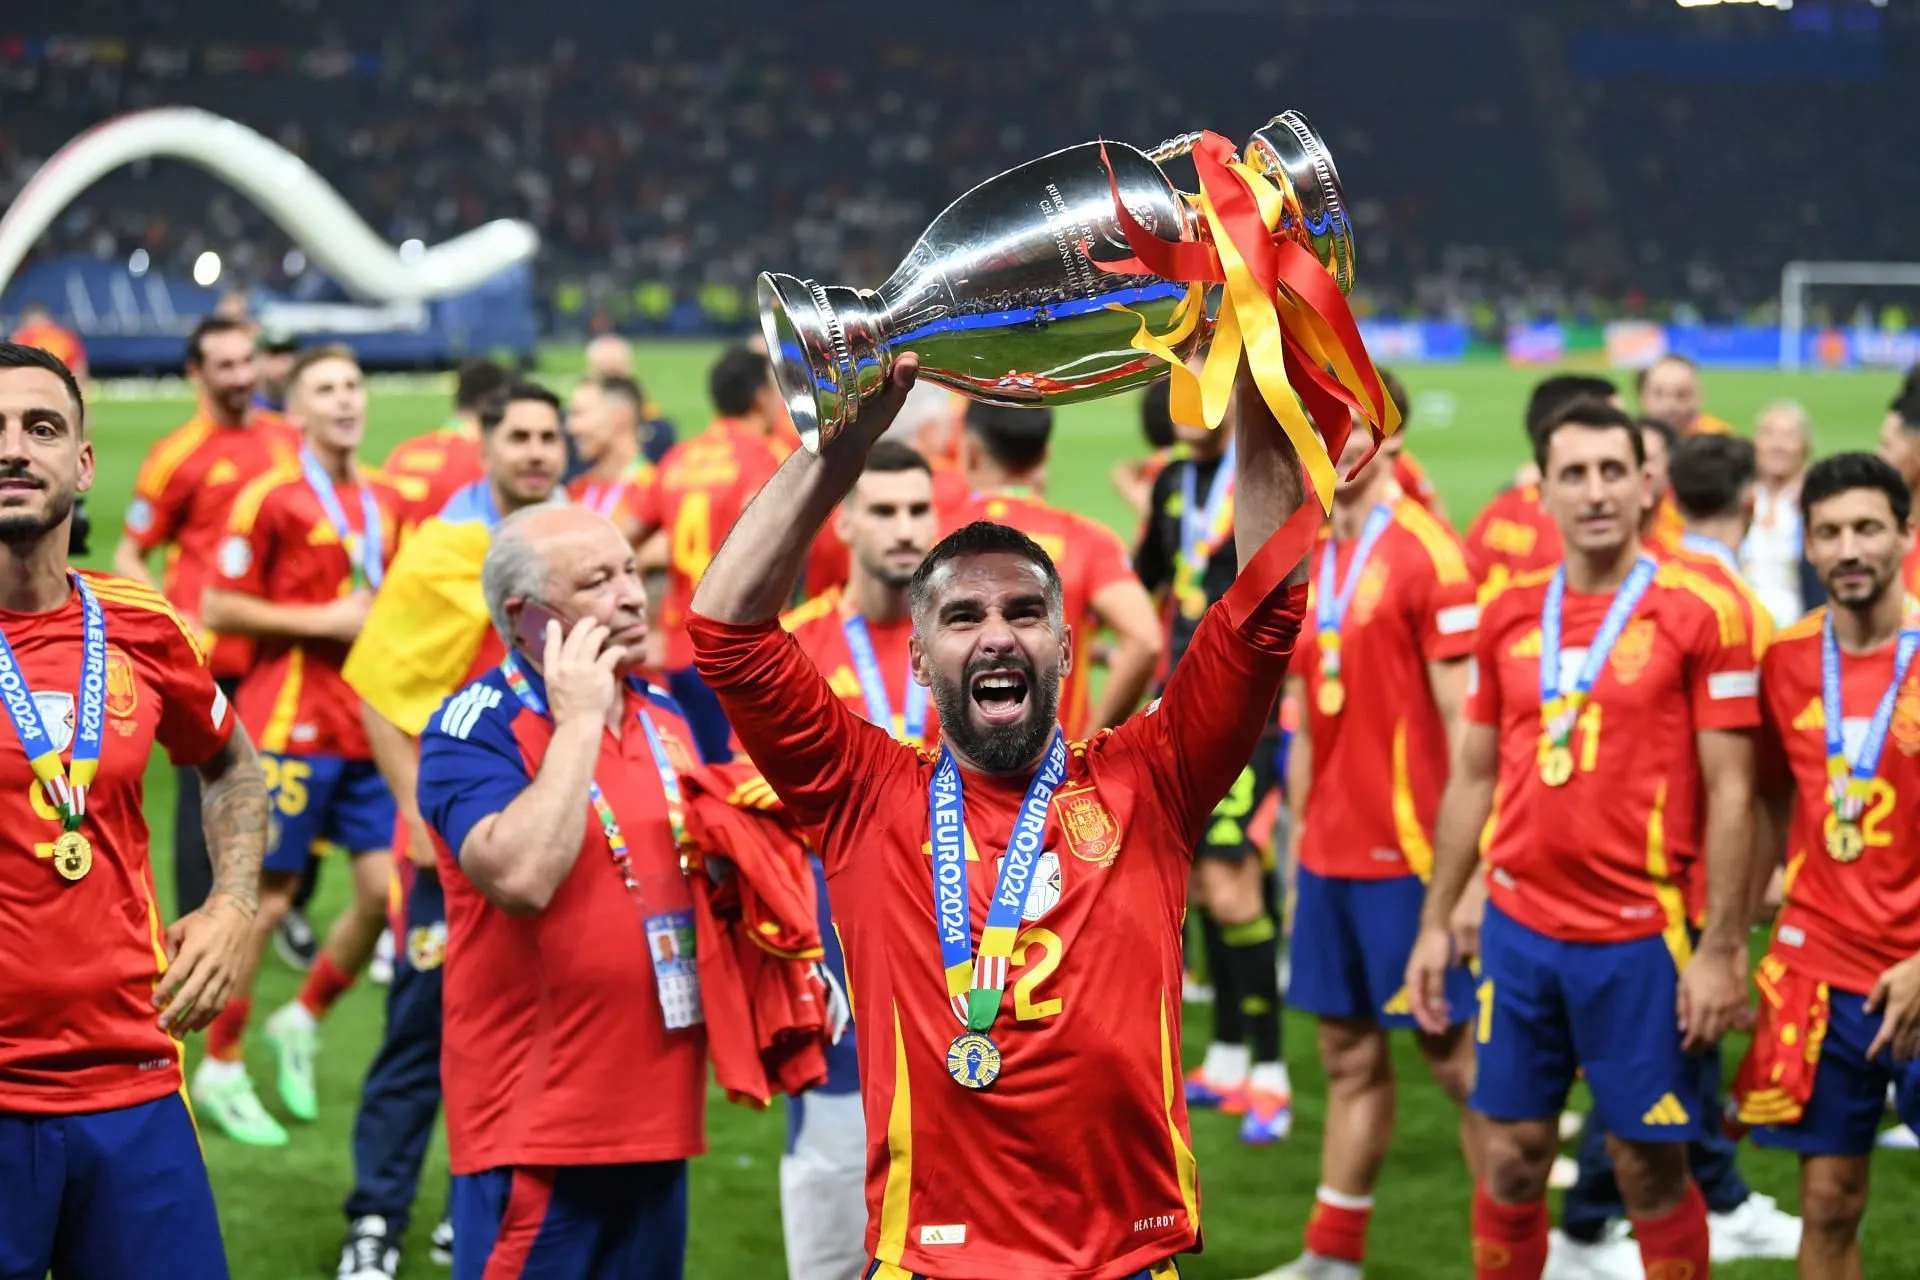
1667, 1111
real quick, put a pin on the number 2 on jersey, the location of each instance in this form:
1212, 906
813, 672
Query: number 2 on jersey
1049, 945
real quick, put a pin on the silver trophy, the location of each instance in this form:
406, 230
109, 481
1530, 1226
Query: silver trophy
998, 299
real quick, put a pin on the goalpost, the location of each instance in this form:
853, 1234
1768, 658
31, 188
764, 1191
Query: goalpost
1796, 278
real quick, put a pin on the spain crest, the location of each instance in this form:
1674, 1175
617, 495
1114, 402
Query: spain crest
123, 694
427, 946
1906, 721
1089, 830
1633, 652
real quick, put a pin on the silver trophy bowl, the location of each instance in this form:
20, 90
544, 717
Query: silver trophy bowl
999, 300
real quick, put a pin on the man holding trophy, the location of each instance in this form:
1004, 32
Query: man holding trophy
1010, 862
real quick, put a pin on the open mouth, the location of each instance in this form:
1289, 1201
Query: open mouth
1000, 696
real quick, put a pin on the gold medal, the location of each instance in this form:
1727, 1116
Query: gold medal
1845, 841
1333, 696
72, 855
973, 1060
1193, 603
1556, 764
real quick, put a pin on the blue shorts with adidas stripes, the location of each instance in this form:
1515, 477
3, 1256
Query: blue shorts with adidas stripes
1348, 956
1547, 1010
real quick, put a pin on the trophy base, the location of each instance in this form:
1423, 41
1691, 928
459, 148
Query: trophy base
825, 355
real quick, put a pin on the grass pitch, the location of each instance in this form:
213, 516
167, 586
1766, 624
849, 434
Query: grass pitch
281, 1208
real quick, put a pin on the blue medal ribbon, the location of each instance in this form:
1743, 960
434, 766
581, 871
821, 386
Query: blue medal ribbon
364, 554
1708, 547
1848, 781
1200, 525
974, 987
1560, 710
1333, 598
67, 795
866, 666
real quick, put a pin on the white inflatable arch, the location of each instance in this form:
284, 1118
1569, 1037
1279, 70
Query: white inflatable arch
297, 199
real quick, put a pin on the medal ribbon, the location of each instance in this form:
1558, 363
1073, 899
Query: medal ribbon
976, 985
364, 553
1848, 781
866, 665
604, 499
67, 794
1330, 609
1204, 530
1708, 547
1560, 710
602, 810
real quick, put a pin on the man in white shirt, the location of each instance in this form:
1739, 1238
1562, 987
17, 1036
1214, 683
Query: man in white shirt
1772, 555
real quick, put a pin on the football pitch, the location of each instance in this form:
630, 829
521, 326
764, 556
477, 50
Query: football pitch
280, 1208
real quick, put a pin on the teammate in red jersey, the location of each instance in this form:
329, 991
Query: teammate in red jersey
1840, 782
1004, 457
1900, 447
603, 419
429, 469
307, 546
1383, 680
699, 490
99, 1162
1074, 1080
1669, 389
1513, 534
181, 500
1612, 775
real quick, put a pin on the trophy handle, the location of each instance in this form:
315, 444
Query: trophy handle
1175, 147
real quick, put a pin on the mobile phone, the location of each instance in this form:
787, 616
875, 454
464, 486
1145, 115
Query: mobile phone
530, 631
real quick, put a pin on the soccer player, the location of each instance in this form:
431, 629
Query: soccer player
307, 546
101, 1174
1056, 1058
1840, 983
1609, 728
697, 493
1004, 457
1669, 389
1774, 554
1900, 446
426, 636
576, 1071
857, 637
603, 420
1382, 684
181, 500
1189, 553
431, 468
1513, 534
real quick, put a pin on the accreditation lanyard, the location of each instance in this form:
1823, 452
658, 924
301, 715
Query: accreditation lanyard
975, 986
1204, 529
866, 666
363, 553
1849, 780
1560, 709
67, 794
1334, 598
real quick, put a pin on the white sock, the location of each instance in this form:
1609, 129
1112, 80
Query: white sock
1225, 1063
294, 1011
1270, 1077
219, 1070
1341, 1200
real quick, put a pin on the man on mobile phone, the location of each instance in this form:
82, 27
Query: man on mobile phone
426, 636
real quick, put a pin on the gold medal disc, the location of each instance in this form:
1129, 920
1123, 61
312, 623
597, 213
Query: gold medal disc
1845, 841
1556, 765
1333, 697
973, 1060
72, 855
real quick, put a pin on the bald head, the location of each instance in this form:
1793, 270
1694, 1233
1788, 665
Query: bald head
571, 563
609, 356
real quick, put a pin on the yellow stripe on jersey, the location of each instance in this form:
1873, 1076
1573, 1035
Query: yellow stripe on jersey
166, 457
426, 624
132, 595
1673, 903
286, 705
1449, 561
1726, 609
1414, 845
1806, 628
246, 507
893, 1197
1183, 1161
813, 607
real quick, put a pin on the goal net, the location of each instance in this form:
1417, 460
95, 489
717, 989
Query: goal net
1841, 305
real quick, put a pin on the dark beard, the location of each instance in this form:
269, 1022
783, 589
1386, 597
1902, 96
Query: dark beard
999, 748
19, 528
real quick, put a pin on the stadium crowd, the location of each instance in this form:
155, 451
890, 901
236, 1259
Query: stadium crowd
566, 697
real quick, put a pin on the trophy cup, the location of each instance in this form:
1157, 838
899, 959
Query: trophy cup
1001, 299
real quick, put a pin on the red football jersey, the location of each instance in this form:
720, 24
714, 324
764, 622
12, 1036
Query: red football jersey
1606, 857
1089, 1117
281, 547
430, 468
182, 498
1910, 570
619, 500
1843, 922
1512, 535
1380, 765
819, 628
1089, 557
79, 960
698, 491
